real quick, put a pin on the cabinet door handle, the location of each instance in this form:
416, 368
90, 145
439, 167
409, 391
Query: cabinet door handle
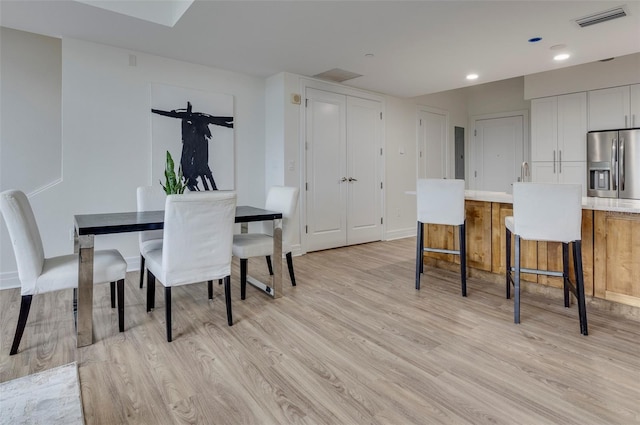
559, 161
625, 121
554, 162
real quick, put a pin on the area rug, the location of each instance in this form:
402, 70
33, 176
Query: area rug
49, 397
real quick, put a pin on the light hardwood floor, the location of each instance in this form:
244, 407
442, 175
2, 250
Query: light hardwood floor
353, 343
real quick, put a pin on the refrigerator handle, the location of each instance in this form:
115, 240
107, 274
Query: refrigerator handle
614, 164
621, 161
554, 162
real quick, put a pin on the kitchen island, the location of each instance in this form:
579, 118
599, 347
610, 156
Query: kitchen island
610, 246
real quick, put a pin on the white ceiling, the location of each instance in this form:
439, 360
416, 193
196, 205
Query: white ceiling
420, 47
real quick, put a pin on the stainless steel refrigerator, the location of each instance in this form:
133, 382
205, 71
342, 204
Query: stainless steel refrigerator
613, 164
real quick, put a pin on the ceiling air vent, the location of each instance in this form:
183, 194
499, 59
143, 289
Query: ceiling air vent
337, 75
597, 18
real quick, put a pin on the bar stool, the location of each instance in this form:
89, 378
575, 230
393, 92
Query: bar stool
441, 201
553, 213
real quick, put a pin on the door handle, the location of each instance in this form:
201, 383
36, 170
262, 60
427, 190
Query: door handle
621, 161
342, 180
351, 179
614, 163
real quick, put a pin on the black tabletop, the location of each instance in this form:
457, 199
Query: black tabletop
102, 224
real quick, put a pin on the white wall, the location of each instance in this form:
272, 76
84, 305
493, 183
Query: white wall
621, 71
106, 136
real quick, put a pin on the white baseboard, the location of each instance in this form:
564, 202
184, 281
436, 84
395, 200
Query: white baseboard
400, 234
9, 280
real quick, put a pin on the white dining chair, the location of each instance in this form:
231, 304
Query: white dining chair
198, 232
548, 212
441, 201
149, 198
281, 199
38, 274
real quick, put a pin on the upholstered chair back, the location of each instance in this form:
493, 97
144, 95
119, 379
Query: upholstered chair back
150, 198
25, 237
283, 200
441, 201
547, 211
198, 235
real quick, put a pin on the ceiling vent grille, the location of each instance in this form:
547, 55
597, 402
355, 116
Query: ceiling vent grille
337, 75
600, 17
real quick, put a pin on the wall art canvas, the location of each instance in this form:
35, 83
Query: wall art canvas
196, 127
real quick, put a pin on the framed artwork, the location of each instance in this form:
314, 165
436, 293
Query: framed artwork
196, 127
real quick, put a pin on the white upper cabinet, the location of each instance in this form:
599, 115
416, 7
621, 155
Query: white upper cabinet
559, 128
558, 139
614, 108
544, 129
635, 105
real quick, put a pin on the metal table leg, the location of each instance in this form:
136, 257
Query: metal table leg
83, 245
275, 290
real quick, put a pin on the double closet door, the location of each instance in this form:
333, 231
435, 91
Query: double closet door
343, 170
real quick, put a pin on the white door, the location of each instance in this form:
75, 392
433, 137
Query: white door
343, 170
325, 170
432, 144
364, 143
499, 153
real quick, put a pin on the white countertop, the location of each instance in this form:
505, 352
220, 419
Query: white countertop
588, 203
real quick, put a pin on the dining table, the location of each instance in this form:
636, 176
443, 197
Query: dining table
88, 226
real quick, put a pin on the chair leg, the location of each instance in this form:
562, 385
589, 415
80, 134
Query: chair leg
25, 306
151, 291
269, 265
508, 262
516, 283
290, 267
112, 288
582, 308
463, 259
210, 289
167, 309
141, 270
419, 253
565, 273
121, 305
243, 278
227, 299
75, 308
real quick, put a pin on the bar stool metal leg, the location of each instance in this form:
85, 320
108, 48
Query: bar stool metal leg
463, 258
582, 308
516, 284
419, 252
565, 274
508, 261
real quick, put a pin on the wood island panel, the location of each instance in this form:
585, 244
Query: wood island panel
478, 229
528, 249
550, 257
617, 257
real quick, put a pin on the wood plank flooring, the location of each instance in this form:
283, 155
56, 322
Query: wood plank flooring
353, 343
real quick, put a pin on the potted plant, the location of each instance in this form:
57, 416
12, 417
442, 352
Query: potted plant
173, 185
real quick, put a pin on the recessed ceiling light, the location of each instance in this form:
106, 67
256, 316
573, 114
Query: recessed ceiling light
472, 77
368, 55
534, 39
561, 57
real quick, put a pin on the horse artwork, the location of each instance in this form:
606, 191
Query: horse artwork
195, 145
